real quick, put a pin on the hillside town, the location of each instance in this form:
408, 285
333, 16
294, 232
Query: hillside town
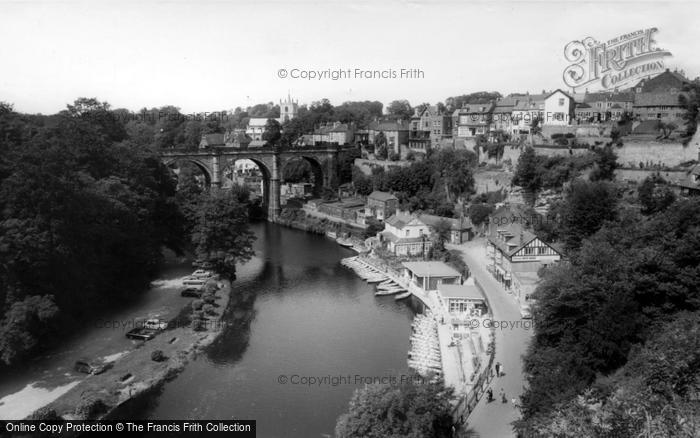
350, 219
523, 153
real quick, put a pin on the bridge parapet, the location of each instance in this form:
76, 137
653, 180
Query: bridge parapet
212, 162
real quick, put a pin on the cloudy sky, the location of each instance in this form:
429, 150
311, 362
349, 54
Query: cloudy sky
214, 55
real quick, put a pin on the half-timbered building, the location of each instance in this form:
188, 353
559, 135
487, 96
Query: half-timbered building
512, 248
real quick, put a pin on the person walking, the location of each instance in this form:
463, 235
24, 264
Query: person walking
498, 369
503, 396
489, 395
501, 372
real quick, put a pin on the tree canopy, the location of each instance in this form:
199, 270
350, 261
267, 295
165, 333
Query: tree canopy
413, 408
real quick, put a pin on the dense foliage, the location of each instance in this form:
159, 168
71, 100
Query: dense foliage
87, 207
654, 394
85, 214
535, 172
414, 408
221, 234
612, 306
432, 185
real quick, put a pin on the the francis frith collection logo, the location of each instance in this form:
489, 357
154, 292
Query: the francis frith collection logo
615, 63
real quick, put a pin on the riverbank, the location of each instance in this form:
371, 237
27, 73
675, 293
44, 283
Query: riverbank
320, 224
134, 372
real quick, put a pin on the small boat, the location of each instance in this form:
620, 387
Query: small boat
402, 296
386, 292
344, 242
387, 285
332, 234
375, 279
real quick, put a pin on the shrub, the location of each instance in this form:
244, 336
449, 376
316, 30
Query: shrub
158, 356
197, 304
91, 408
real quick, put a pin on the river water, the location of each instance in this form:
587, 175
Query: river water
295, 314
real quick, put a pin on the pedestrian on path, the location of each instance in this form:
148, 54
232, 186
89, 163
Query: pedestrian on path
498, 369
503, 396
489, 395
501, 372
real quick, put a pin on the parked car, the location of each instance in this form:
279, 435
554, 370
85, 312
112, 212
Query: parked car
155, 324
141, 334
202, 273
525, 312
193, 281
194, 292
91, 367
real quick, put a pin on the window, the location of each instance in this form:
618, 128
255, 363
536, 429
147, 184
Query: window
561, 102
406, 233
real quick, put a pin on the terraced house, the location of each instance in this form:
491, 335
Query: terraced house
472, 120
428, 128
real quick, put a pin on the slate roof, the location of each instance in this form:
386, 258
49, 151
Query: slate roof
382, 196
396, 239
257, 121
431, 269
529, 102
512, 223
657, 99
608, 97
470, 292
455, 224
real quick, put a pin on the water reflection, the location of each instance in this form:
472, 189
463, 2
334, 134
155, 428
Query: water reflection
294, 311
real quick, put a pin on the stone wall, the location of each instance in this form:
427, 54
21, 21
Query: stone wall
638, 149
367, 165
638, 175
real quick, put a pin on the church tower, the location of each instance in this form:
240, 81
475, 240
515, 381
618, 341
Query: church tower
288, 109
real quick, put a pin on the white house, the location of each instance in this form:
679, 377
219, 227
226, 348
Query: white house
558, 108
256, 128
406, 235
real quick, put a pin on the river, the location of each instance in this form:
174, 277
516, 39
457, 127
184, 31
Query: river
295, 314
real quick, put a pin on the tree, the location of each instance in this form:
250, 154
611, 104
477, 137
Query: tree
654, 194
479, 97
479, 213
380, 146
455, 169
222, 236
414, 408
691, 102
526, 171
400, 109
363, 183
441, 234
605, 164
83, 223
585, 207
615, 294
273, 133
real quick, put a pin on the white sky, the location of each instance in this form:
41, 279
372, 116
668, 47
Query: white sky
208, 55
